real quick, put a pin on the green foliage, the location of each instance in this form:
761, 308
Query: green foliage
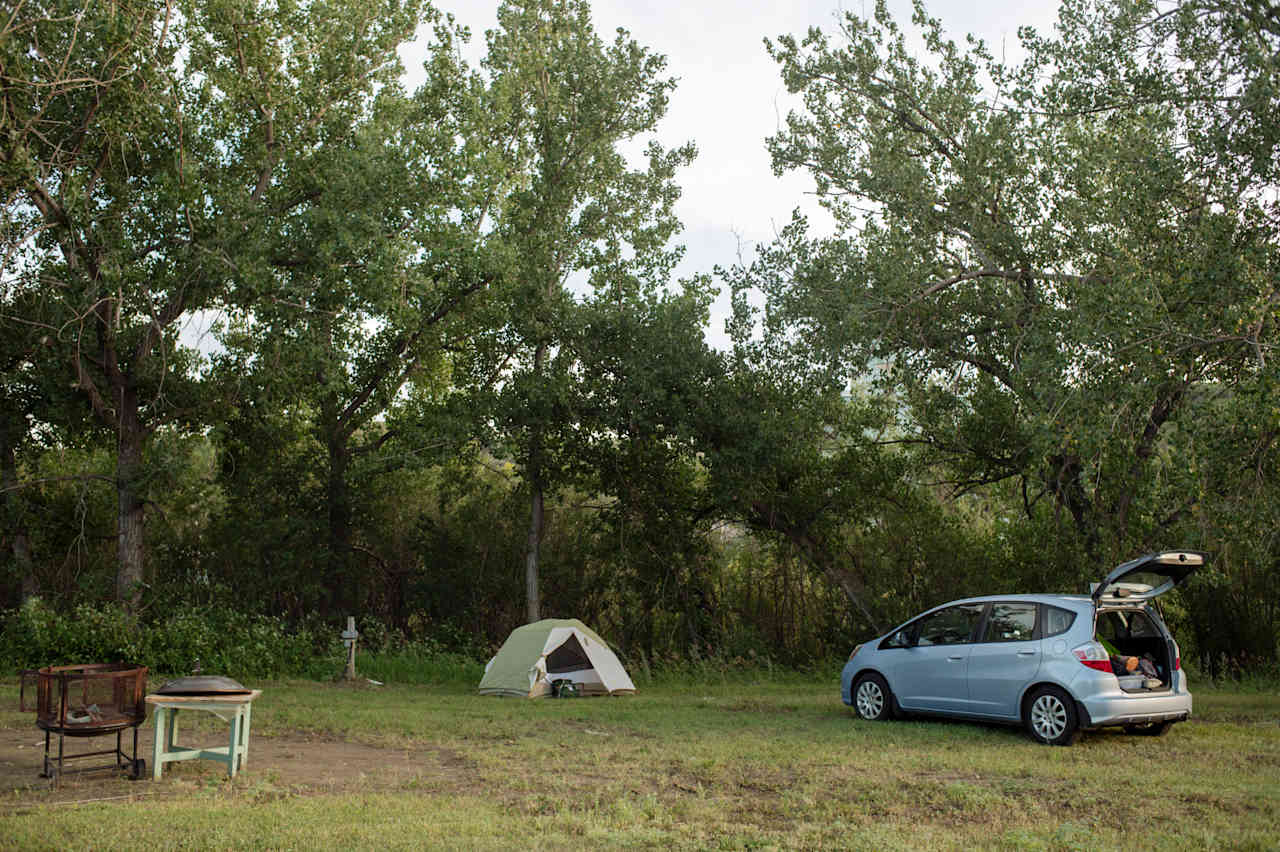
577, 217
188, 147
1058, 278
1030, 277
223, 641
1041, 340
38, 635
422, 663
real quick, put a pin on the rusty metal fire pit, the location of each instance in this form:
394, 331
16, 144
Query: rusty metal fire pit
88, 701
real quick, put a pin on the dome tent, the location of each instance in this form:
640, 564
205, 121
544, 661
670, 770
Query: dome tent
554, 649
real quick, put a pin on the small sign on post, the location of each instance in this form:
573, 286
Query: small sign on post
349, 637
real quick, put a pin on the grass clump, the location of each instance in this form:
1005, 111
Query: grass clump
420, 663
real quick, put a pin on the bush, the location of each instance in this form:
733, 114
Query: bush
223, 640
38, 635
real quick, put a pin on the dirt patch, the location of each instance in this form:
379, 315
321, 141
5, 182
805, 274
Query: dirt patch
294, 764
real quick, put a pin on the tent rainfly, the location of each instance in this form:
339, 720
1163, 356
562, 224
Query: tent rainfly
554, 649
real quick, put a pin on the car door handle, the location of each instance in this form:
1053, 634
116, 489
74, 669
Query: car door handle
1027, 653
955, 659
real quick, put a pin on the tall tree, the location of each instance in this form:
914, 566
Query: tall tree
646, 375
21, 397
580, 218
160, 151
378, 284
1056, 267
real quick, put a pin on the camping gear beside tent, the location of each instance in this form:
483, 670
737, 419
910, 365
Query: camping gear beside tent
555, 649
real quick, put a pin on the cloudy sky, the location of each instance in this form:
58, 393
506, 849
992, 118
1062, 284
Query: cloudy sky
730, 97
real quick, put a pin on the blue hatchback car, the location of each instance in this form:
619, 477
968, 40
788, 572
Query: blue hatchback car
1056, 664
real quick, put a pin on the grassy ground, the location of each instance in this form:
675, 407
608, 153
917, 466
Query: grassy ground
771, 762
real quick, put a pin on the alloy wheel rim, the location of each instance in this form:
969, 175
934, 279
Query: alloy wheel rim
1049, 717
870, 699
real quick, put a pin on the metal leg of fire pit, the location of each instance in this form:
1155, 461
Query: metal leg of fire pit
56, 769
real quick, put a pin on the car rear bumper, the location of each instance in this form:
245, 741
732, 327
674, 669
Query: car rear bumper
1126, 709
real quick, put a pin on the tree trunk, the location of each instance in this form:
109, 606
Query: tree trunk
816, 554
131, 530
16, 516
342, 595
533, 603
533, 600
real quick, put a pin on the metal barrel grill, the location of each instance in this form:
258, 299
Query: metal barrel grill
90, 700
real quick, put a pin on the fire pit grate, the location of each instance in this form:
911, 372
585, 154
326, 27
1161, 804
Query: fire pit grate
87, 701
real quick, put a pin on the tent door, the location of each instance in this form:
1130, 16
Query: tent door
570, 656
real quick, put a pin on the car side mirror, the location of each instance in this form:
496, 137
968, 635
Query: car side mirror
902, 639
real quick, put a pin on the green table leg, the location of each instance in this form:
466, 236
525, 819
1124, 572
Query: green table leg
244, 736
162, 733
231, 747
171, 736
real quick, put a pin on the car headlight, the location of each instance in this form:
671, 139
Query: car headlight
854, 652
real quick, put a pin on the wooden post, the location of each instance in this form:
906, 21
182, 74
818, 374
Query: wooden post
349, 639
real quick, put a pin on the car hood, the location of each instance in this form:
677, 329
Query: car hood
1148, 576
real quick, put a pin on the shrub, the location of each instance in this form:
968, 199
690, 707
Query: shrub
223, 641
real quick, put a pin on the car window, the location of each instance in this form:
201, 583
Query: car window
1140, 626
900, 638
950, 626
1111, 626
1057, 620
1011, 622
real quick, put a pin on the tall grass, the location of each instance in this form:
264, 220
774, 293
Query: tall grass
1257, 677
416, 664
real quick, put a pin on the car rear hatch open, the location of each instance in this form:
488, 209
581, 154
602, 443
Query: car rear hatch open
1148, 576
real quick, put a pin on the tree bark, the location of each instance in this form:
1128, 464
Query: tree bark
131, 529
1168, 400
340, 583
16, 516
533, 602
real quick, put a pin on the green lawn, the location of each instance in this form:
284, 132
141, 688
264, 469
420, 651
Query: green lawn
747, 764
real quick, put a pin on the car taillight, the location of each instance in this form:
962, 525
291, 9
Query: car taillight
1177, 663
854, 652
1094, 656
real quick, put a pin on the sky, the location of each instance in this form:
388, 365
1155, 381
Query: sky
730, 97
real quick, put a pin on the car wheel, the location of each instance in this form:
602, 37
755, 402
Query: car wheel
1155, 729
1050, 717
872, 698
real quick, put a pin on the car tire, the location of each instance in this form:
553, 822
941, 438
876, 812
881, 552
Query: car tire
872, 698
1155, 729
1049, 715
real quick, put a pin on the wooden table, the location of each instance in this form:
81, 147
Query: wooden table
232, 707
